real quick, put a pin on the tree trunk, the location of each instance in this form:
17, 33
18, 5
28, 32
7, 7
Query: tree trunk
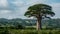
39, 26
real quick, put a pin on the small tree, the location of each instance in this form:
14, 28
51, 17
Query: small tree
39, 11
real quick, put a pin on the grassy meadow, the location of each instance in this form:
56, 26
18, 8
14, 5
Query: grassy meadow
27, 30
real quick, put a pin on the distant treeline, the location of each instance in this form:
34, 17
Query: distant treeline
52, 23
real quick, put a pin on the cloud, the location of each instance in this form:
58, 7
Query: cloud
22, 3
4, 11
24, 6
56, 9
16, 8
3, 3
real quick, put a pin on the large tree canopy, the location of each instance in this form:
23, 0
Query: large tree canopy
39, 11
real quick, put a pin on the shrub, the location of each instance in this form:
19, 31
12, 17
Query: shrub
1, 27
5, 32
20, 27
11, 27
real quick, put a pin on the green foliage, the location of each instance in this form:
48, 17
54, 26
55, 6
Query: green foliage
11, 27
19, 27
5, 31
1, 27
53, 23
39, 9
14, 31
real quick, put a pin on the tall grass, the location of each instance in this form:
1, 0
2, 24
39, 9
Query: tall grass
14, 31
28, 30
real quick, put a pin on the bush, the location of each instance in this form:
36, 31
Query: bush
20, 27
11, 27
1, 27
5, 31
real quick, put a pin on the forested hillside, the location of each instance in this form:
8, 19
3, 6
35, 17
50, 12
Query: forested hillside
53, 23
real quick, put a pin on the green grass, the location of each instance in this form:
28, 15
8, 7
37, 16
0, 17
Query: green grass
28, 30
23, 31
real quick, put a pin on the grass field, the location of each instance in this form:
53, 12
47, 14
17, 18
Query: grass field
28, 31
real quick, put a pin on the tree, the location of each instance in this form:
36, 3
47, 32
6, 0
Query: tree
39, 11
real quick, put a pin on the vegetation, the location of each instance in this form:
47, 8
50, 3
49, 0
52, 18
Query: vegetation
52, 26
52, 23
39, 11
28, 26
28, 31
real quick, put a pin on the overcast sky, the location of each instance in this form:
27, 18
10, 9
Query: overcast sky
16, 8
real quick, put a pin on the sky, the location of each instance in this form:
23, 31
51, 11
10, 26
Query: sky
16, 8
